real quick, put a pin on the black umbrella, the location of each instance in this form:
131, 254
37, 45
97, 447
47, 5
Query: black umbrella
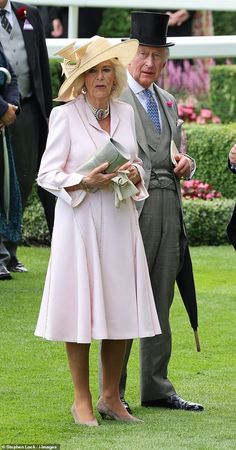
231, 229
186, 285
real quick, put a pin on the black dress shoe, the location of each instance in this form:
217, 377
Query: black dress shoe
15, 265
4, 273
126, 405
174, 402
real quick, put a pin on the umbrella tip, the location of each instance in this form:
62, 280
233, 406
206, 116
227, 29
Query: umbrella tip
197, 341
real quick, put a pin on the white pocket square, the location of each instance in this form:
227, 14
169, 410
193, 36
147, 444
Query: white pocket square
179, 123
27, 25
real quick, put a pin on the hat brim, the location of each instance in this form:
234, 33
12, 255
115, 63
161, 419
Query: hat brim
123, 51
151, 43
157, 45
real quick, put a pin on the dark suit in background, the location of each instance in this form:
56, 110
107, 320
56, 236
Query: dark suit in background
10, 211
26, 49
89, 21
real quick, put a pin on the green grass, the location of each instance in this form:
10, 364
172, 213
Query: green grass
36, 390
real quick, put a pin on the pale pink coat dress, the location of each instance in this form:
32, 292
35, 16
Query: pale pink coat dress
97, 284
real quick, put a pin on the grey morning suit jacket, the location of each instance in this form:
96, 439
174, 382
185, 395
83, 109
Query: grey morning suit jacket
149, 140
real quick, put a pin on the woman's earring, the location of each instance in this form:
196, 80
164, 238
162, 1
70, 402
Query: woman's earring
113, 88
84, 90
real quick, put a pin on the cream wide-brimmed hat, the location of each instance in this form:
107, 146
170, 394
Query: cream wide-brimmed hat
95, 51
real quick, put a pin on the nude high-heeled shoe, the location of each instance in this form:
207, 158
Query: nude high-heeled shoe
106, 413
88, 423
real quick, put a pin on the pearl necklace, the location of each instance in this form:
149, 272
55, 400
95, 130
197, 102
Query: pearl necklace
99, 113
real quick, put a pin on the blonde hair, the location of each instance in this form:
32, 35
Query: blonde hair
120, 80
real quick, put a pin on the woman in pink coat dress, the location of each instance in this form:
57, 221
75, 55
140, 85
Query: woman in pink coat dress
97, 284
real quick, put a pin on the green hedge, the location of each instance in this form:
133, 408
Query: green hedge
206, 221
222, 92
34, 226
56, 78
224, 22
115, 23
210, 145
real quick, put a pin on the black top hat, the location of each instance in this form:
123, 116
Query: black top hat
150, 28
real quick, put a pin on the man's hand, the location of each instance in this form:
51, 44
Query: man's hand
232, 154
178, 17
183, 167
9, 116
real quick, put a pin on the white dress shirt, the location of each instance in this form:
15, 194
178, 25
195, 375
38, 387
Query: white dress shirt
138, 91
8, 10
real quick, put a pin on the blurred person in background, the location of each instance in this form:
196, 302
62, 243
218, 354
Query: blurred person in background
55, 21
10, 201
23, 40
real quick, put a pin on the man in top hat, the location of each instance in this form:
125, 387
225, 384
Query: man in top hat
158, 130
23, 41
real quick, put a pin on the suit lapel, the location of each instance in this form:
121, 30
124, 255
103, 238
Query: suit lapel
171, 118
28, 36
129, 97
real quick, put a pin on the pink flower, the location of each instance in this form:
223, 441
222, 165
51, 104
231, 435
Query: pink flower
192, 189
216, 119
201, 121
193, 117
206, 113
169, 103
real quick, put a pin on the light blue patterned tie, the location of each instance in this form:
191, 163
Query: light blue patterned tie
152, 109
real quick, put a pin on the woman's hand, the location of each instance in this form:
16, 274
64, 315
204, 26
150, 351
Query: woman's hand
95, 179
132, 172
98, 179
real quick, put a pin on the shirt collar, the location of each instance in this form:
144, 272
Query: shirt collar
135, 86
7, 7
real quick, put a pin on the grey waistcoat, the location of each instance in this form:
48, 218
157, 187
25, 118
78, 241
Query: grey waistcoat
162, 171
14, 48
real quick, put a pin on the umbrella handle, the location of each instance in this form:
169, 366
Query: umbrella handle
7, 74
197, 341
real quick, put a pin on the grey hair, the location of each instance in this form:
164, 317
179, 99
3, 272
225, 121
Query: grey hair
167, 53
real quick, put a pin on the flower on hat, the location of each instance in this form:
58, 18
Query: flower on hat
22, 12
169, 103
